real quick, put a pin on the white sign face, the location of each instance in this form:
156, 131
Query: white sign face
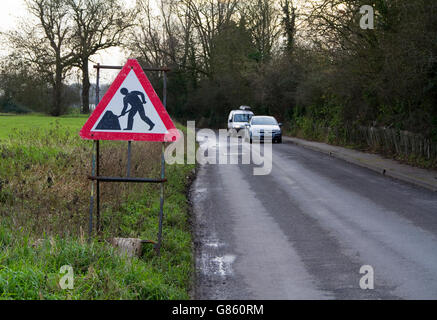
130, 110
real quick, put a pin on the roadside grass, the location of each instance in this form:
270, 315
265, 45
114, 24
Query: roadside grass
27, 272
44, 203
10, 123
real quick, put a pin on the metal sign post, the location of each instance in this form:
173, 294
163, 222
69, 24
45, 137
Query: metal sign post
95, 172
161, 207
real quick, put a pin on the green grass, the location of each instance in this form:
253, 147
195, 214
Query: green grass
27, 272
34, 147
11, 123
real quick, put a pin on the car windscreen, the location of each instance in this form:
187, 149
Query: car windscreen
242, 117
264, 121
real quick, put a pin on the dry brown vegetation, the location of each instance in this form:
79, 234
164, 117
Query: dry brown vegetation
46, 189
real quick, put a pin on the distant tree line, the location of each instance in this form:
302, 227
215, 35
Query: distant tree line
54, 39
308, 63
385, 77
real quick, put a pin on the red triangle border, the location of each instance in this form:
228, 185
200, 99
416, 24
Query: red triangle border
132, 64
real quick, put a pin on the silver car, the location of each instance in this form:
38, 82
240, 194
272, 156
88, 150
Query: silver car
260, 126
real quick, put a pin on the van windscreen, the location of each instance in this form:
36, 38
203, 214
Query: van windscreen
242, 117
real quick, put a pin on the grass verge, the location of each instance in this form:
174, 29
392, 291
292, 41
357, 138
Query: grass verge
44, 199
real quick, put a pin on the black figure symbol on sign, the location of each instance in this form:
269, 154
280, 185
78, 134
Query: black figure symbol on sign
136, 106
110, 120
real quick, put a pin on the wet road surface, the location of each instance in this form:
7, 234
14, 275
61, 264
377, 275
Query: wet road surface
305, 230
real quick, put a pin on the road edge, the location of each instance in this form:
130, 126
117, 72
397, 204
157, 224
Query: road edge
377, 168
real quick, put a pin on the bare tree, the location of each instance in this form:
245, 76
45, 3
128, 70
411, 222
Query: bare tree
289, 23
165, 37
46, 45
263, 21
98, 25
208, 18
147, 39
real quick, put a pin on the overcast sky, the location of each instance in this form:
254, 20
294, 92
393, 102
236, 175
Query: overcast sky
11, 11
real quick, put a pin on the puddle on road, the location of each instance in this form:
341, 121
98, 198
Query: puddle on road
214, 262
224, 264
213, 244
221, 266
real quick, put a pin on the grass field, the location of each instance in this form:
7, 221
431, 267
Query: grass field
10, 123
44, 203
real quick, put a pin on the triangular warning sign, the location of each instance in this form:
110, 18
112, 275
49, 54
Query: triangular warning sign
130, 110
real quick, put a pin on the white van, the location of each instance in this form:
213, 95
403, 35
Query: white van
238, 119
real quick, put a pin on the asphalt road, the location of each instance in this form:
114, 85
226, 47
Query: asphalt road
305, 230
